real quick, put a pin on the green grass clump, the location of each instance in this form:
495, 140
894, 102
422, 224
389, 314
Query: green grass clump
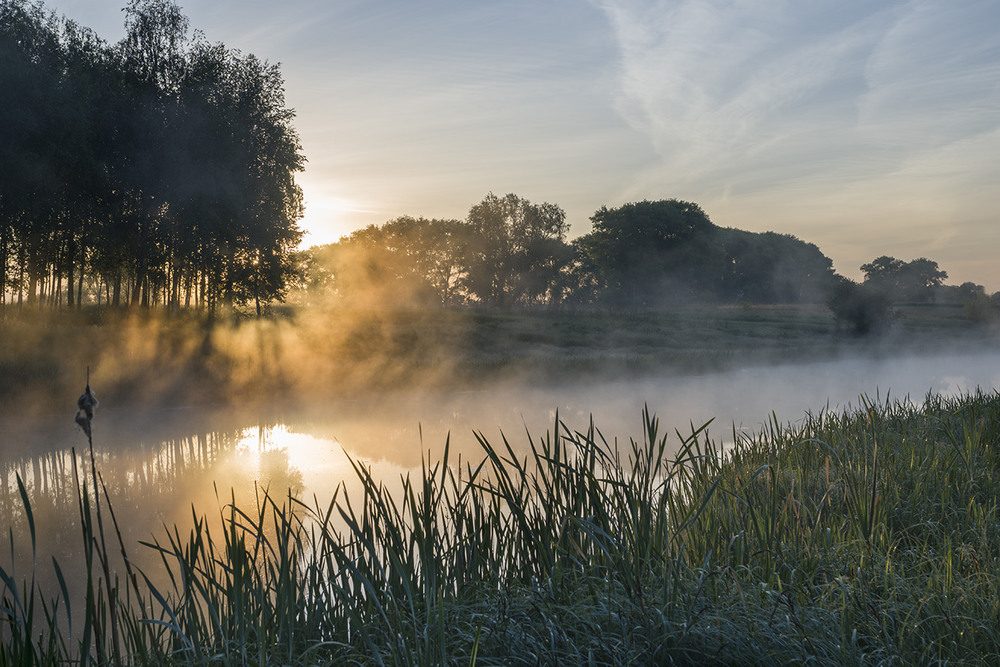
868, 536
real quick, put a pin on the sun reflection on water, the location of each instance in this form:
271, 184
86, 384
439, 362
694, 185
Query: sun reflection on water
310, 467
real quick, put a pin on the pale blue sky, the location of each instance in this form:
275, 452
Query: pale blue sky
866, 127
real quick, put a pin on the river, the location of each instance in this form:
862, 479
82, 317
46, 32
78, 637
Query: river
159, 465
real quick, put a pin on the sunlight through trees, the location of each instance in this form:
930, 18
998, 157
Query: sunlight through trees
156, 171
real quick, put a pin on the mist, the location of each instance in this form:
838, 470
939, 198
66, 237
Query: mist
297, 406
395, 385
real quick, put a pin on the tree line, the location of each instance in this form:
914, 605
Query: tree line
888, 282
155, 171
509, 251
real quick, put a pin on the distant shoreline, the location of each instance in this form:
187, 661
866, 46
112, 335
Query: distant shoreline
308, 354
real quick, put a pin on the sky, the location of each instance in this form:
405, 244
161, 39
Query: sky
867, 127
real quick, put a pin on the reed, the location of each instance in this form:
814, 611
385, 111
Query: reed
865, 536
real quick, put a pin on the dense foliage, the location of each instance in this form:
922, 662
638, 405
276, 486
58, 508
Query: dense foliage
510, 251
159, 170
903, 281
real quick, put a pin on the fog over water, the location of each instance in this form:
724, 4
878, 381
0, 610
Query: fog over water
159, 465
391, 429
399, 429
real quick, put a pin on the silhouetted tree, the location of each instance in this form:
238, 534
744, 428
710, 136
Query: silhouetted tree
513, 250
770, 268
156, 37
638, 248
919, 277
650, 253
904, 281
159, 171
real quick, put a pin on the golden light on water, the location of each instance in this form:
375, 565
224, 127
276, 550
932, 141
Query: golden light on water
275, 457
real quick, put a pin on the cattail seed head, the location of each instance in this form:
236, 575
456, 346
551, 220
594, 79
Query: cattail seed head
87, 402
83, 421
86, 405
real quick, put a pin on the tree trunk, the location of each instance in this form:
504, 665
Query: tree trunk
116, 301
3, 266
83, 265
57, 291
69, 275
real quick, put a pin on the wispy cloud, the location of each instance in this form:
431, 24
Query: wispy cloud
748, 95
816, 118
865, 126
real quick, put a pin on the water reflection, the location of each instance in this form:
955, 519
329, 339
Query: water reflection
405, 426
152, 489
162, 468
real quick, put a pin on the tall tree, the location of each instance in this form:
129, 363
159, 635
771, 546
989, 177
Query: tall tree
513, 249
637, 247
156, 37
158, 166
30, 73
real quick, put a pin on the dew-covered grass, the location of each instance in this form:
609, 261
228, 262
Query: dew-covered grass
868, 536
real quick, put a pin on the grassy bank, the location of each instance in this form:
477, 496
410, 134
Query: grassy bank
863, 537
304, 353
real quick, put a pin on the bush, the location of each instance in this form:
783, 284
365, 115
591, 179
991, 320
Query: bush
865, 309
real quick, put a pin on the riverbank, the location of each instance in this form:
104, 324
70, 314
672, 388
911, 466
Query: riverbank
862, 537
149, 359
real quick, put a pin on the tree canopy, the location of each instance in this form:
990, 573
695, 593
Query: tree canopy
508, 251
156, 170
511, 252
649, 253
904, 281
641, 249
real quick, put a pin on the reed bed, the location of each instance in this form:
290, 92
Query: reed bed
867, 536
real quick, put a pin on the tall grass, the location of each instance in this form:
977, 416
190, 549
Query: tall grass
867, 536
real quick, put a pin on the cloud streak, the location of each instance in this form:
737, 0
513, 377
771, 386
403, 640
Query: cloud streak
711, 82
851, 104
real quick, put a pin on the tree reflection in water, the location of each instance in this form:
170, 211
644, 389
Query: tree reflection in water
151, 489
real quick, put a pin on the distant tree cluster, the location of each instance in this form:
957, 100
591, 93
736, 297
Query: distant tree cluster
889, 283
509, 251
656, 252
159, 170
904, 281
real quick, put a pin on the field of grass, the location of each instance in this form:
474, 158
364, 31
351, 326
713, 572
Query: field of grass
863, 537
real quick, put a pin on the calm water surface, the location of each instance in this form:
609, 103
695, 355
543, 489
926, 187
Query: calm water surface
162, 465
